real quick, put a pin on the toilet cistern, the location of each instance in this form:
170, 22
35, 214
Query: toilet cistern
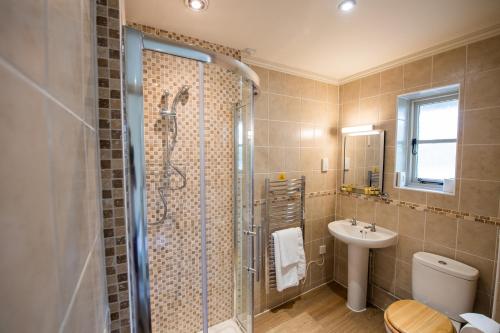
360, 238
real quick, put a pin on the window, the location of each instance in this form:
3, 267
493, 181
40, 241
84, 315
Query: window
430, 121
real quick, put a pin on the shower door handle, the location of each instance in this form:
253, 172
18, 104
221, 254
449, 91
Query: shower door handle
258, 240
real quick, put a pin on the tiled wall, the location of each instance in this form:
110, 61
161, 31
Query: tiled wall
51, 239
295, 126
110, 141
462, 226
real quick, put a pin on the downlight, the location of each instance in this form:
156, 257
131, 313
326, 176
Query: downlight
197, 5
346, 5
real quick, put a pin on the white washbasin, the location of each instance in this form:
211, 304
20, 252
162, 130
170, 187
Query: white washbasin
359, 241
361, 236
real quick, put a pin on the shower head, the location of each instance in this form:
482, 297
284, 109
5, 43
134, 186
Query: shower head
182, 97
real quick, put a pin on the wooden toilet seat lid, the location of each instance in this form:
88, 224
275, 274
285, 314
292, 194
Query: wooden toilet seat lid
410, 316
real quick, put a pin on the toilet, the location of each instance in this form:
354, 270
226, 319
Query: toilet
442, 289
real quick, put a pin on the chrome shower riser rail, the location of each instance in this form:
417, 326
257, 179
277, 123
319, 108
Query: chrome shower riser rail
134, 42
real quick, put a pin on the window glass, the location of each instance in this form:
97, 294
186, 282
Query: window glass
438, 120
436, 160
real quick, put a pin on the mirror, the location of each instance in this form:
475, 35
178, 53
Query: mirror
363, 161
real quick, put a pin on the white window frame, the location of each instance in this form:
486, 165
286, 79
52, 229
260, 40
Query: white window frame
413, 141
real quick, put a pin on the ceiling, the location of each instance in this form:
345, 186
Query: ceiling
313, 37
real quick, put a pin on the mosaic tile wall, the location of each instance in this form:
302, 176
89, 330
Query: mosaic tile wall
175, 246
295, 126
110, 140
463, 226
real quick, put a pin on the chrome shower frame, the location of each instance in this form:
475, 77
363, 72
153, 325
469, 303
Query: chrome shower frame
134, 42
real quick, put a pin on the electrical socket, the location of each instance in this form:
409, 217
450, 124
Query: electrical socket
322, 249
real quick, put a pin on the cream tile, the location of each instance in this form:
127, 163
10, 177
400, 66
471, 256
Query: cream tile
391, 79
321, 91
261, 160
403, 279
262, 106
441, 230
482, 304
309, 159
390, 131
449, 65
484, 55
22, 31
263, 77
261, 137
481, 162
276, 159
349, 113
482, 89
347, 207
308, 89
479, 197
485, 267
370, 86
333, 94
69, 186
387, 216
284, 134
307, 135
481, 126
417, 73
89, 63
28, 257
93, 185
284, 108
439, 250
413, 196
292, 159
277, 82
407, 247
443, 200
369, 109
350, 91
411, 223
65, 54
477, 238
365, 211
388, 109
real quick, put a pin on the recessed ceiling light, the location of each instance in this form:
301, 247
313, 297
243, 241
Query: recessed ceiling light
197, 5
346, 5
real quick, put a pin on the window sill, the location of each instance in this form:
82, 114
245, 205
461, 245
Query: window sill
425, 189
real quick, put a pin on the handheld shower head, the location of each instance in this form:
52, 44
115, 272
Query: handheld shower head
182, 97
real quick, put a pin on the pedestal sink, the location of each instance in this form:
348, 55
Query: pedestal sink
360, 239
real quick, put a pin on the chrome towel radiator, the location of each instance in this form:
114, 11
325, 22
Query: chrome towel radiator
284, 208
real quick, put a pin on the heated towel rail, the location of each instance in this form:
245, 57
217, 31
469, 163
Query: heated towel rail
284, 208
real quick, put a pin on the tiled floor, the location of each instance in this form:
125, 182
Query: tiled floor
321, 310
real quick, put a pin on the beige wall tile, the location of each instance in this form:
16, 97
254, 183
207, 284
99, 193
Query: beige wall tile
261, 137
277, 82
292, 159
477, 238
482, 304
64, 62
308, 89
321, 91
439, 250
27, 236
482, 126
387, 216
261, 160
481, 162
347, 207
333, 94
284, 108
407, 246
309, 159
479, 197
388, 106
391, 79
411, 223
262, 106
482, 89
449, 65
370, 86
485, 267
349, 114
276, 159
369, 109
444, 200
413, 196
350, 91
365, 211
389, 126
403, 279
284, 134
484, 55
441, 230
263, 77
22, 31
417, 73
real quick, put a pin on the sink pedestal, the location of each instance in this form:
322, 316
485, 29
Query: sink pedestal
357, 275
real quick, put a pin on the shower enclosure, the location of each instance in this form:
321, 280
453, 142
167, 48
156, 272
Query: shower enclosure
189, 165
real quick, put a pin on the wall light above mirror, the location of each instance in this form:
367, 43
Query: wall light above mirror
426, 147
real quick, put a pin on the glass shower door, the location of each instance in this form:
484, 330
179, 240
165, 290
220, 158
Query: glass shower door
246, 235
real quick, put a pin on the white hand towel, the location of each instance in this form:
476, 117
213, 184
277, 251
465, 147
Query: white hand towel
285, 277
289, 246
301, 265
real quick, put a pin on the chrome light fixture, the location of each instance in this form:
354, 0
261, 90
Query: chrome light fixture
346, 5
196, 5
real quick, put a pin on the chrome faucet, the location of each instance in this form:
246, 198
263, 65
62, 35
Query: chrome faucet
353, 221
371, 227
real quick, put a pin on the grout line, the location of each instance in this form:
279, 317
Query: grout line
42, 91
